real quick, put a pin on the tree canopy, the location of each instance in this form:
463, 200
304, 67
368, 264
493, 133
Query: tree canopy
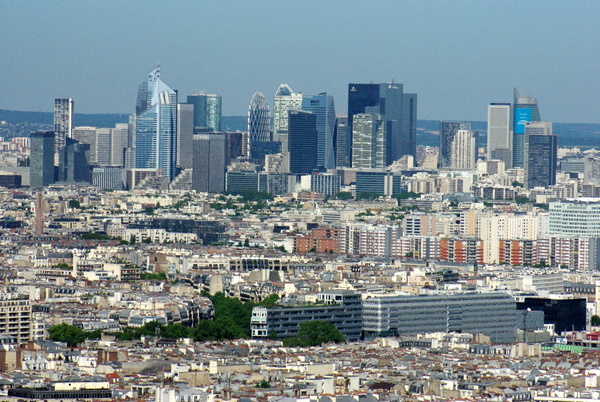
315, 333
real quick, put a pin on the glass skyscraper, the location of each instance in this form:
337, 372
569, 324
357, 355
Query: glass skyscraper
259, 125
540, 150
302, 139
525, 109
285, 99
322, 106
448, 131
156, 127
207, 112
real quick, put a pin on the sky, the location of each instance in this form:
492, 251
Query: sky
457, 55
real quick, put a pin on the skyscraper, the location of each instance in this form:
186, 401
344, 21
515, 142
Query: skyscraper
185, 134
368, 141
342, 142
210, 161
259, 125
525, 109
398, 112
64, 114
323, 107
285, 99
74, 162
540, 150
448, 130
41, 166
302, 140
499, 133
463, 150
156, 127
207, 112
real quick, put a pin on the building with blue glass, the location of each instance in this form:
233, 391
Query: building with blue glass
525, 110
156, 126
323, 107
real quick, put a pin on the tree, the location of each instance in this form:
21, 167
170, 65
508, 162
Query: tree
270, 300
247, 242
71, 334
315, 333
344, 195
74, 204
595, 321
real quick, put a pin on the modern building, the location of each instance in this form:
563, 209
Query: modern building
108, 177
463, 151
525, 109
285, 99
369, 141
259, 123
323, 107
42, 158
207, 109
565, 314
15, 316
380, 182
492, 314
343, 145
341, 308
185, 135
64, 115
499, 133
448, 131
74, 162
302, 141
119, 141
575, 218
210, 161
540, 160
156, 127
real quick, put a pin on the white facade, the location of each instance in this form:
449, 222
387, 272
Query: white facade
285, 99
463, 150
575, 218
499, 132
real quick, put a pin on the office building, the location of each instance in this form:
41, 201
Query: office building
398, 111
259, 124
185, 133
108, 178
118, 143
74, 162
207, 109
525, 109
448, 130
574, 218
302, 141
541, 147
492, 314
342, 309
285, 99
342, 142
565, 314
499, 133
64, 115
463, 152
156, 128
323, 107
41, 166
368, 141
210, 161
383, 183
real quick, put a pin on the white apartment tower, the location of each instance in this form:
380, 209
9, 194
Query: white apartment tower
63, 121
463, 150
499, 133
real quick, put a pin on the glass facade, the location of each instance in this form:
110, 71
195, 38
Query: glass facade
525, 109
207, 112
323, 107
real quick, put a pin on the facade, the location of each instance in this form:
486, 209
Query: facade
15, 316
343, 144
368, 141
41, 158
463, 152
382, 182
492, 314
341, 308
74, 162
118, 143
565, 314
328, 184
285, 99
323, 108
156, 127
259, 123
108, 178
64, 114
525, 109
540, 159
207, 110
185, 134
575, 218
499, 133
448, 131
302, 141
210, 161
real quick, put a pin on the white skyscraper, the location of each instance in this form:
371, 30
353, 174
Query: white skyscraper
463, 150
285, 99
499, 133
64, 114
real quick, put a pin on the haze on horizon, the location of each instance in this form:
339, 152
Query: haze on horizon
457, 55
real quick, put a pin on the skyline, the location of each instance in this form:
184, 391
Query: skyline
450, 53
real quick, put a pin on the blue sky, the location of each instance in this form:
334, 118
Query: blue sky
457, 55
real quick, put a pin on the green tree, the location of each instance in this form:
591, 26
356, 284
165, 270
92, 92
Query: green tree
263, 384
74, 204
315, 333
595, 321
516, 184
247, 242
71, 334
344, 195
175, 331
270, 300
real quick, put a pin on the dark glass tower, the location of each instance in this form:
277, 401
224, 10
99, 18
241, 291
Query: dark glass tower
525, 109
322, 106
207, 112
259, 127
41, 158
540, 147
302, 141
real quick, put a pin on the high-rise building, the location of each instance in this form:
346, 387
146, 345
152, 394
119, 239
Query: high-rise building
207, 112
398, 111
259, 125
463, 151
41, 158
302, 140
368, 141
540, 150
210, 161
342, 142
525, 109
499, 133
185, 134
118, 143
448, 130
156, 128
323, 107
64, 115
74, 162
285, 99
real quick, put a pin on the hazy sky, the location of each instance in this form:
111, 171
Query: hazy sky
457, 55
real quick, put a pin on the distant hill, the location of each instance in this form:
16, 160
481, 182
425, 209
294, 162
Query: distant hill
569, 134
